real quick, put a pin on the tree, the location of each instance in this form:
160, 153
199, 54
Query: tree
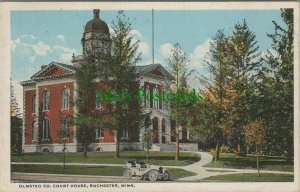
203, 121
63, 134
218, 64
126, 110
254, 134
244, 66
281, 84
179, 109
16, 123
148, 142
86, 119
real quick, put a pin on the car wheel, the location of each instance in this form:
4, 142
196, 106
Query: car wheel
166, 176
127, 174
153, 175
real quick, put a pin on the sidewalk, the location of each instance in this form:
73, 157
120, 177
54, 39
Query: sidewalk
202, 172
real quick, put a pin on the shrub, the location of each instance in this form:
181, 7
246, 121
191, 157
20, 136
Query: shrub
226, 149
212, 150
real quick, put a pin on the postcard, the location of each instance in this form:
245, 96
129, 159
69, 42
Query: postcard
154, 96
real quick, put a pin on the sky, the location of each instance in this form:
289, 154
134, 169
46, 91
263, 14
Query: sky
40, 37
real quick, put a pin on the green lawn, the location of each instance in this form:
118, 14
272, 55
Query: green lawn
250, 177
87, 170
156, 157
230, 160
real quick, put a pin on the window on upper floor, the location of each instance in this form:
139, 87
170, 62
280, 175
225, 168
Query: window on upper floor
46, 100
148, 98
34, 104
65, 98
98, 101
155, 98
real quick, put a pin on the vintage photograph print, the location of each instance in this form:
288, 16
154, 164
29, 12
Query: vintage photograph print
123, 98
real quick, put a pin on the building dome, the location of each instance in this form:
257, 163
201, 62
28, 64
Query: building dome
96, 24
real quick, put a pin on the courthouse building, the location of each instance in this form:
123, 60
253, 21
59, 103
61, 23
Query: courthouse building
50, 94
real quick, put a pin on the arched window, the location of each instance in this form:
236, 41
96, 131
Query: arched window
33, 103
65, 98
98, 100
148, 97
66, 130
34, 131
46, 100
46, 125
155, 98
142, 93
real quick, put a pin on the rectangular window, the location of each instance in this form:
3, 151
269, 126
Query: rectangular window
125, 132
99, 133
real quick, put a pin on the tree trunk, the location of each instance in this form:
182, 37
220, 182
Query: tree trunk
117, 144
85, 147
64, 155
257, 161
239, 147
217, 151
177, 144
147, 155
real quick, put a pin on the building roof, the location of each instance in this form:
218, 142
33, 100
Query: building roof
96, 24
144, 69
28, 82
71, 70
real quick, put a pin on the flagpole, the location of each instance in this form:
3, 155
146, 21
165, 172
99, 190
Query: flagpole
152, 36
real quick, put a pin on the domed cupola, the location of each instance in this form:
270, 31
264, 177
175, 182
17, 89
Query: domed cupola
96, 37
96, 24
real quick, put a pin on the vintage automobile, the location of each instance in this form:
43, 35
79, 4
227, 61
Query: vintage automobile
136, 168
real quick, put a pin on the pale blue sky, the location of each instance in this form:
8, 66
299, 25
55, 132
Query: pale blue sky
39, 37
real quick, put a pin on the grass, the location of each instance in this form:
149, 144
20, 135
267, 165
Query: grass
72, 170
87, 170
230, 160
250, 177
156, 157
180, 173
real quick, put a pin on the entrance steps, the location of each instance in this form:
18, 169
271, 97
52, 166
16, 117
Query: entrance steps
172, 147
164, 146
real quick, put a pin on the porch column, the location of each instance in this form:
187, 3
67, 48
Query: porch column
159, 130
168, 130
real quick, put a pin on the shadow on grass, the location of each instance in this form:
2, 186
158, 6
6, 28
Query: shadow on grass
265, 162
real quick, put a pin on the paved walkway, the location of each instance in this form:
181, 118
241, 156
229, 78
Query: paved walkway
198, 168
203, 172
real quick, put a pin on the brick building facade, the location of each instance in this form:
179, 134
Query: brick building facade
49, 94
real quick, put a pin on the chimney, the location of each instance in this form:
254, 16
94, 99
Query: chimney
96, 13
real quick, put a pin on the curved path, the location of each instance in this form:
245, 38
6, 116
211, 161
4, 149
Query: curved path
204, 172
